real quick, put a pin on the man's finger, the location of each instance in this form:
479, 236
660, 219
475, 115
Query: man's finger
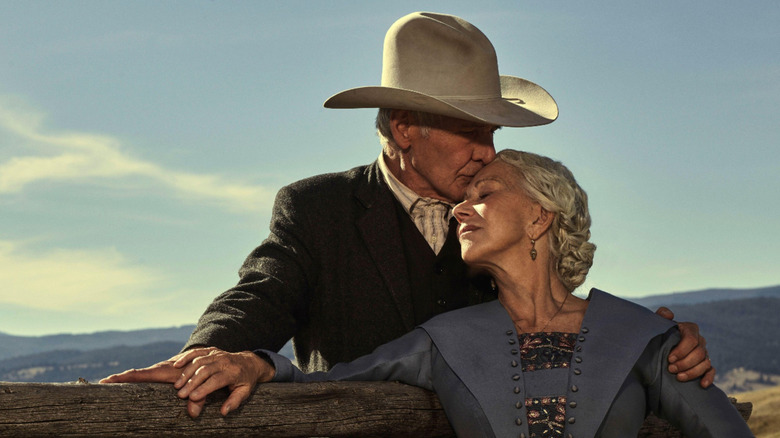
689, 340
194, 408
708, 379
160, 373
699, 370
665, 312
237, 396
190, 355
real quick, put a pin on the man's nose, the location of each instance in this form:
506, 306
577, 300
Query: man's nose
484, 152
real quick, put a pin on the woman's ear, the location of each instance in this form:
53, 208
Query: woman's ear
400, 122
542, 222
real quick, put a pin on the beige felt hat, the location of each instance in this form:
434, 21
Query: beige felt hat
442, 64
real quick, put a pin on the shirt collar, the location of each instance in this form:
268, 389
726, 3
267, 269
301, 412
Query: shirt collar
408, 198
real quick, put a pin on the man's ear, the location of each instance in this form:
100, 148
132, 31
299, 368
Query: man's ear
400, 122
542, 222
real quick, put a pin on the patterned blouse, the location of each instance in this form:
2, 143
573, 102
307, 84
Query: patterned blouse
541, 353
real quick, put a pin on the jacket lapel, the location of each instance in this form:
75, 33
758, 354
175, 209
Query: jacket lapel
379, 228
613, 336
479, 345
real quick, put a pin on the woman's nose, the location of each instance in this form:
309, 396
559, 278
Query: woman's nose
462, 211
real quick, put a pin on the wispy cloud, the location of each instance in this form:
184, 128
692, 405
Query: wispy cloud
68, 279
76, 157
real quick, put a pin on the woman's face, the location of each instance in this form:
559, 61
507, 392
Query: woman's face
494, 217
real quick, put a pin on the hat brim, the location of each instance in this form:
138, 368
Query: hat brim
522, 103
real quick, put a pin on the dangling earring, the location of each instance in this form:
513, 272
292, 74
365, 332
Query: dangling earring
533, 249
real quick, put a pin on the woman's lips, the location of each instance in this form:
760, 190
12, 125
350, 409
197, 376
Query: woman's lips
464, 228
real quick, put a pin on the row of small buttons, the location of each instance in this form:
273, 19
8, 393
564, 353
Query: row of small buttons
577, 372
516, 377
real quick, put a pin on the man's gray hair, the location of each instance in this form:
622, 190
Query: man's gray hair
422, 119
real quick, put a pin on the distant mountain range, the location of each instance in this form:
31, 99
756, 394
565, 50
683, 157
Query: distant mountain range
15, 346
740, 327
705, 296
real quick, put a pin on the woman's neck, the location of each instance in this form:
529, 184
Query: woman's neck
536, 300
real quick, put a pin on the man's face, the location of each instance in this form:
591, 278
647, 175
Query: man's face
443, 163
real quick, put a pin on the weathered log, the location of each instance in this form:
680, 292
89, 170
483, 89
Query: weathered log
356, 409
274, 410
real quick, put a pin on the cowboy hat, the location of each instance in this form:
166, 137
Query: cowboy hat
442, 64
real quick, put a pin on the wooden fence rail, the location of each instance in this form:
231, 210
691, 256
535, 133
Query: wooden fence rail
353, 409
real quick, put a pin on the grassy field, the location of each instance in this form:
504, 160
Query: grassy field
765, 420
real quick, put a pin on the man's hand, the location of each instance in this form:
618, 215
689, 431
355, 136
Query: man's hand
689, 359
199, 372
205, 370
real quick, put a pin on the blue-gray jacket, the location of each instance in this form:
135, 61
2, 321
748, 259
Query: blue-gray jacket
618, 373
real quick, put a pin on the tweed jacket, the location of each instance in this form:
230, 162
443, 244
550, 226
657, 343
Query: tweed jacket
470, 358
332, 274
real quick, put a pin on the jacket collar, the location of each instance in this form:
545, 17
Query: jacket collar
379, 228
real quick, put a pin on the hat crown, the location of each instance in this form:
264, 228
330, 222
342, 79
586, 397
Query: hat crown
440, 55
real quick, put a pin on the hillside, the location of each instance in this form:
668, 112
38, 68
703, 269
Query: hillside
15, 346
739, 333
70, 365
706, 295
92, 365
765, 419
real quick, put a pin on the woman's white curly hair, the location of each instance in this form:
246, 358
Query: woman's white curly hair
553, 186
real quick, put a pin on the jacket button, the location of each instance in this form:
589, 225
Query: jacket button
577, 371
519, 405
516, 377
574, 388
578, 359
442, 302
513, 351
519, 421
582, 339
509, 333
511, 341
571, 420
585, 330
439, 269
517, 390
573, 404
514, 363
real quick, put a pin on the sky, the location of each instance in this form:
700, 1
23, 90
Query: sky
142, 143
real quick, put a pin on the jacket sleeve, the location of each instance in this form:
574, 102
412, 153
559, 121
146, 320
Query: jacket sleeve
265, 308
695, 411
406, 359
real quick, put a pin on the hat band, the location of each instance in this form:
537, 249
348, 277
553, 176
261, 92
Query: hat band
469, 97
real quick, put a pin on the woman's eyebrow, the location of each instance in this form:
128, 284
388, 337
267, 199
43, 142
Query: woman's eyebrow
487, 179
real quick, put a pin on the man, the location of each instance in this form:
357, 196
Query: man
358, 258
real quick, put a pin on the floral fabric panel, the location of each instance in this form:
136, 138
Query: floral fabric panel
540, 352
544, 351
546, 416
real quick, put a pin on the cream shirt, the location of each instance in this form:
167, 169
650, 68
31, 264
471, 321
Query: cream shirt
431, 216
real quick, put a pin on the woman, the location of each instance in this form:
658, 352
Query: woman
539, 361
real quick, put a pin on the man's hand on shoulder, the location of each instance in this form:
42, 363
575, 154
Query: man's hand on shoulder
689, 359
